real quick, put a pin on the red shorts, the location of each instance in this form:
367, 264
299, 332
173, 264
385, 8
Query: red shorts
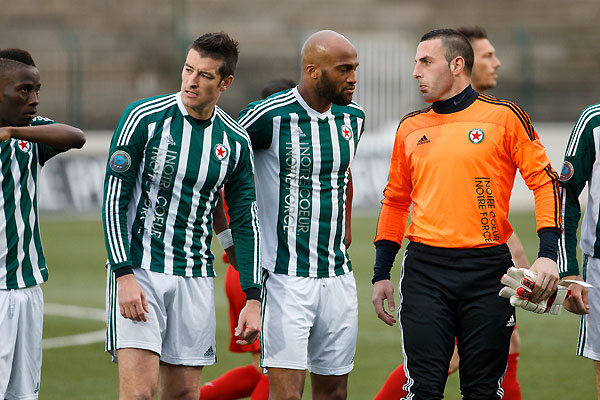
237, 301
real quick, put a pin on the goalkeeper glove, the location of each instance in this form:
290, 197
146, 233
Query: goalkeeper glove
519, 283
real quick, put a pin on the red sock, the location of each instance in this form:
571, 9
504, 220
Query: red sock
392, 388
261, 390
233, 384
512, 389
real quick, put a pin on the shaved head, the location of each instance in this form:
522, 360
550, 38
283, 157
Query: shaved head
324, 45
329, 63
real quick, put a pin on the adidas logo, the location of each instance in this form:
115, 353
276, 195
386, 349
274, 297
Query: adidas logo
423, 140
210, 352
511, 321
170, 140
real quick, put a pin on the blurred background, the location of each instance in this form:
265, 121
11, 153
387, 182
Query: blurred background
96, 57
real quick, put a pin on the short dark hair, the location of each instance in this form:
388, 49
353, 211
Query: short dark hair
18, 55
277, 85
473, 32
455, 44
219, 46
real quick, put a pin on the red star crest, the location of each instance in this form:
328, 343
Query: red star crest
221, 151
476, 135
346, 132
24, 146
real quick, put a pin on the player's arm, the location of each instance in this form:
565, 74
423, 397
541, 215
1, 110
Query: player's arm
517, 251
349, 196
58, 136
221, 228
576, 172
393, 218
124, 158
529, 156
243, 214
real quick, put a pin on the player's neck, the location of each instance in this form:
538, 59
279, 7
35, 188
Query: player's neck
312, 98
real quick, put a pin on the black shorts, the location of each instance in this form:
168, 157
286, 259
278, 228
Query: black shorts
448, 293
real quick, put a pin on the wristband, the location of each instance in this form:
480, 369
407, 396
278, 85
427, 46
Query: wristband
225, 239
126, 270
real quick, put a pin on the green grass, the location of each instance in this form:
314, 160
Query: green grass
548, 367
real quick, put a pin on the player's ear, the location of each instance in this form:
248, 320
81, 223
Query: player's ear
225, 83
313, 71
457, 65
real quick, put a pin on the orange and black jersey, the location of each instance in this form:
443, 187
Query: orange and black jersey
455, 163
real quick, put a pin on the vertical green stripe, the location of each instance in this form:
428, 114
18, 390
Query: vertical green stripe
325, 223
305, 206
283, 254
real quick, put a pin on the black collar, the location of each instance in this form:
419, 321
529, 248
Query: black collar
457, 103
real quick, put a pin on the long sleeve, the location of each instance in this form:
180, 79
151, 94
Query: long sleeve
124, 158
576, 172
395, 207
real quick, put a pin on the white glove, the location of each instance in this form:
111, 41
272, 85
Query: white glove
519, 283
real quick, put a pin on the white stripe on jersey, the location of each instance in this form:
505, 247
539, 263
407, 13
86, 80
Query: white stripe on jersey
176, 196
353, 104
3, 240
31, 189
313, 240
589, 223
112, 218
562, 248
141, 111
359, 124
189, 230
161, 157
16, 175
335, 144
582, 122
266, 106
293, 195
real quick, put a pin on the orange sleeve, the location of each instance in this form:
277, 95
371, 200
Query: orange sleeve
395, 207
529, 155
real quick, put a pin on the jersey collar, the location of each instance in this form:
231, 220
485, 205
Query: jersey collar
457, 103
185, 113
311, 112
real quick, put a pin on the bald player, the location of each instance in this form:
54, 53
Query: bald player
304, 140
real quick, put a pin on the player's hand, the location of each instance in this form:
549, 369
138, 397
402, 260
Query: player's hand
519, 283
546, 282
577, 302
132, 299
248, 327
382, 291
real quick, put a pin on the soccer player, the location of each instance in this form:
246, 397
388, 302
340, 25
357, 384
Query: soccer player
483, 77
26, 143
580, 167
246, 381
169, 157
455, 163
304, 140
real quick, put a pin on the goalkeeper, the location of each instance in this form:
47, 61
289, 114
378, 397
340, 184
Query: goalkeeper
454, 163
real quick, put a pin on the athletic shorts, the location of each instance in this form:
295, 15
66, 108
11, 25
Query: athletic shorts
237, 301
309, 323
180, 326
448, 293
588, 344
21, 323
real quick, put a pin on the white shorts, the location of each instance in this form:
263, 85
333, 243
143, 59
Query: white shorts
309, 323
180, 327
588, 344
21, 325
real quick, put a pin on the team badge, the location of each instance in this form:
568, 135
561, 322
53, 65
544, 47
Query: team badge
566, 172
120, 161
221, 151
24, 146
346, 132
476, 135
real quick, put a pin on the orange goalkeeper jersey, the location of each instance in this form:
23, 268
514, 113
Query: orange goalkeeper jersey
457, 171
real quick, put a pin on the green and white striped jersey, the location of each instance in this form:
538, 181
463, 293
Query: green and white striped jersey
302, 168
22, 262
581, 166
164, 173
